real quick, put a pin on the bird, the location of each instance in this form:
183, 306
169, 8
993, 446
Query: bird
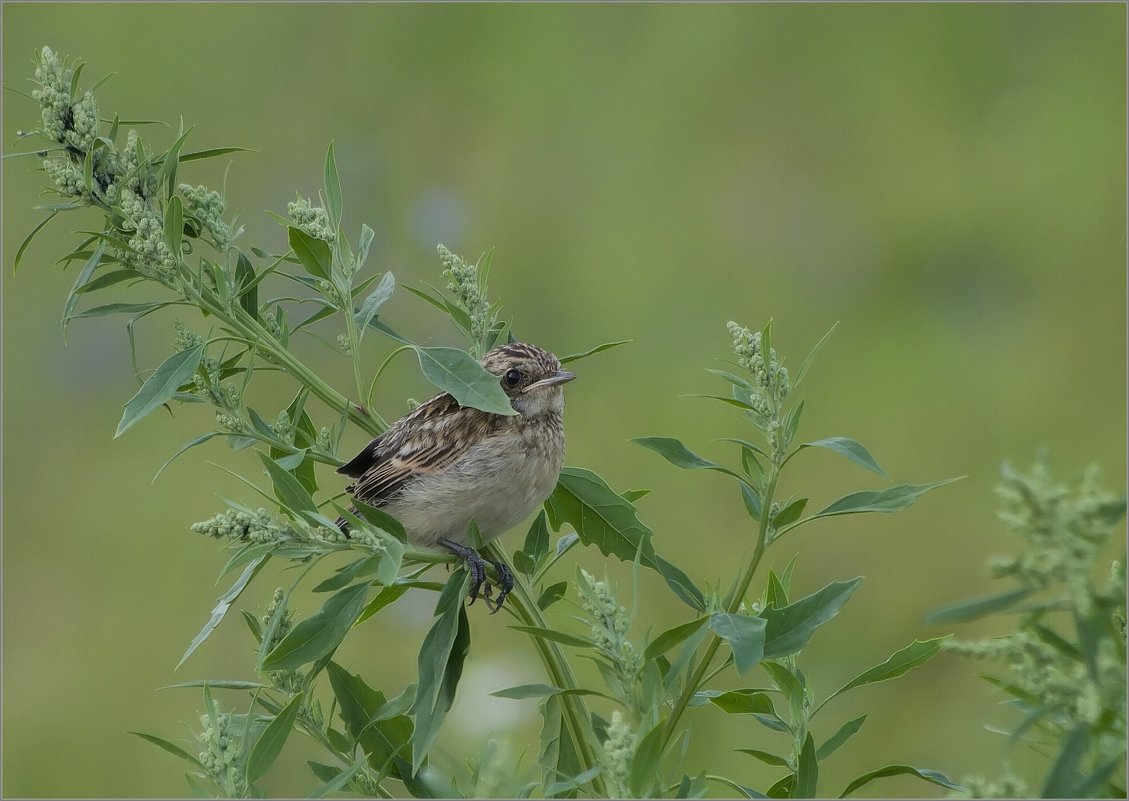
444, 465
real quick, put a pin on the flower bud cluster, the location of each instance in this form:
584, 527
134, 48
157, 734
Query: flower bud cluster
314, 220
221, 751
619, 750
207, 206
66, 175
235, 524
324, 441
470, 296
769, 376
609, 633
54, 94
148, 227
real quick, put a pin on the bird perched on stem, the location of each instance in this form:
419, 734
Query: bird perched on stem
444, 465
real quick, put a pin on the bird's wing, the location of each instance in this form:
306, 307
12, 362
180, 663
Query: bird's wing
422, 442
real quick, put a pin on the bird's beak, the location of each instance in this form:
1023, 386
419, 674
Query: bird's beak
559, 377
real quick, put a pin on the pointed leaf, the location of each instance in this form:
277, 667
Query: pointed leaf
83, 276
845, 732
555, 636
186, 446
672, 637
572, 357
905, 660
174, 225
765, 757
210, 153
312, 253
790, 627
270, 742
893, 499
160, 386
224, 603
849, 448
287, 488
807, 771
932, 776
332, 189
743, 702
27, 241
963, 611
165, 745
317, 636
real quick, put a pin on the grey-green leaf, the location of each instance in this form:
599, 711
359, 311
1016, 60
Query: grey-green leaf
572, 357
672, 637
851, 449
332, 188
807, 771
374, 301
224, 604
963, 611
845, 732
160, 386
555, 636
316, 636
287, 488
83, 276
270, 742
915, 654
745, 635
892, 499
932, 776
743, 702
454, 371
171, 748
313, 253
790, 627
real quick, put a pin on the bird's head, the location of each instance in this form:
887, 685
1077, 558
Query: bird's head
531, 377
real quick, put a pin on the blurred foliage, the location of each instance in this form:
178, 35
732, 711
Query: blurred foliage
946, 180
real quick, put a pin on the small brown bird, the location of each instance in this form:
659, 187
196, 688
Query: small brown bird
443, 465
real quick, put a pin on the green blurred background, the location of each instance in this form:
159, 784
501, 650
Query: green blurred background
946, 181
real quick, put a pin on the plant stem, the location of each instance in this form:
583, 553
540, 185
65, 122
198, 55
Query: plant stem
734, 604
573, 708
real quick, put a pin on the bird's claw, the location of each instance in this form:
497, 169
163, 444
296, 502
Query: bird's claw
477, 568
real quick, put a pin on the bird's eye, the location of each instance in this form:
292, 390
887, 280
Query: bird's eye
513, 378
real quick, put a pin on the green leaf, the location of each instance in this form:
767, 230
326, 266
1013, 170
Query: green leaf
363, 245
27, 241
170, 160
893, 499
599, 516
557, 755
799, 376
454, 371
845, 732
340, 779
83, 276
790, 627
631, 496
270, 742
555, 636
174, 225
681, 584
121, 308
743, 702
165, 745
160, 386
107, 280
915, 654
383, 740
551, 594
764, 756
313, 254
932, 776
332, 189
752, 502
672, 637
851, 449
210, 153
186, 446
287, 488
344, 576
247, 285
790, 513
317, 636
539, 691
537, 538
374, 301
644, 775
440, 665
572, 357
220, 684
224, 604
568, 785
807, 771
745, 635
963, 611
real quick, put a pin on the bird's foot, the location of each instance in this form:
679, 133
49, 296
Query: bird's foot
477, 568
